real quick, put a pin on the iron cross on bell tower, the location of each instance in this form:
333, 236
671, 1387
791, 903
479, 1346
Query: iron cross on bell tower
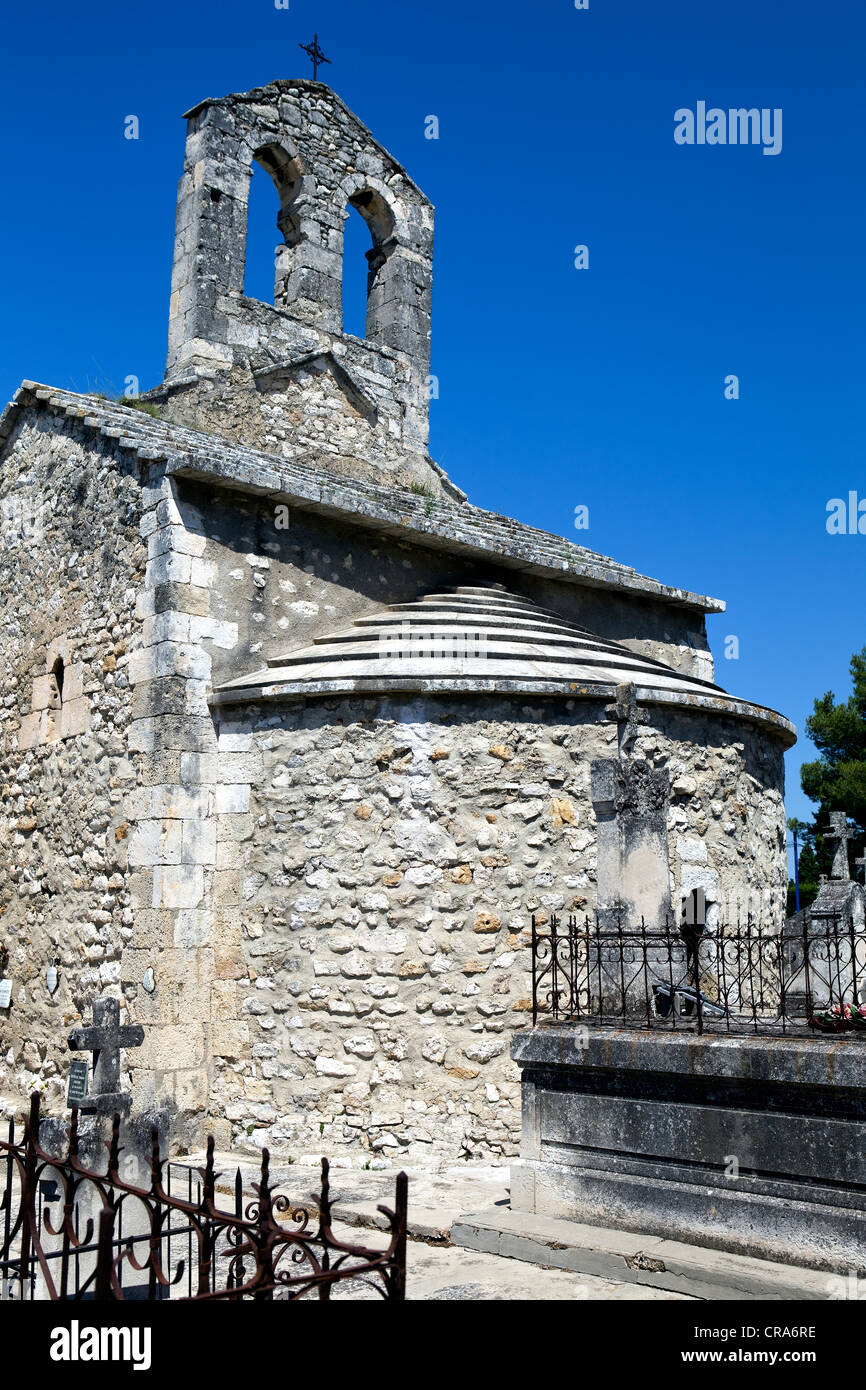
316, 55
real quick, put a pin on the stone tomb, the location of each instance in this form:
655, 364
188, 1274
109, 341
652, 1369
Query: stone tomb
753, 1145
831, 933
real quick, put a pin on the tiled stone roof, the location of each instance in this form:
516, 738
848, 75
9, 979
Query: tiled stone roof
438, 524
469, 631
479, 638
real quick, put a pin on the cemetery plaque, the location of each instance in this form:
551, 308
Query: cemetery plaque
5, 993
77, 1088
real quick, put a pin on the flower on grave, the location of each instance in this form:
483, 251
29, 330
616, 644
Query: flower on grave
839, 1016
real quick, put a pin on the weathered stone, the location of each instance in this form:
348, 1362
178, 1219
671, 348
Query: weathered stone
562, 812
484, 1051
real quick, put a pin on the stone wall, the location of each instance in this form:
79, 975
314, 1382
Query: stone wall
386, 858
312, 413
71, 560
173, 856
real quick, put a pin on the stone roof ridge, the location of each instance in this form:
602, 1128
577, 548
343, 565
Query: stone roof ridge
346, 378
456, 526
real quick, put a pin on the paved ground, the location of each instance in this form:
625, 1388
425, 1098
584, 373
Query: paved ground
435, 1269
442, 1274
436, 1200
467, 1244
453, 1273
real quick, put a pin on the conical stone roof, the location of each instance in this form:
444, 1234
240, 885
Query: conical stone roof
479, 638
481, 632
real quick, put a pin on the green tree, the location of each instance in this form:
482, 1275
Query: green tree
836, 780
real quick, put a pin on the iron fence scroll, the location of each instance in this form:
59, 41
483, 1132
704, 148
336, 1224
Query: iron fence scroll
268, 1248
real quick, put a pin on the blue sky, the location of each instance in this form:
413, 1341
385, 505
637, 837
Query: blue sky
558, 387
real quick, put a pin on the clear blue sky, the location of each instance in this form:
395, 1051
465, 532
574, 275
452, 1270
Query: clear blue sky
557, 386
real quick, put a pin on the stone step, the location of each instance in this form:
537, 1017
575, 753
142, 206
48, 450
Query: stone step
436, 1199
647, 1260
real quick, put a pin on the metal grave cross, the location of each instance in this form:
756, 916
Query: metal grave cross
627, 714
316, 55
104, 1039
840, 830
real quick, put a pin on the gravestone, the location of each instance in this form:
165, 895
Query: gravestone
635, 1128
631, 800
104, 1099
842, 832
104, 1039
828, 931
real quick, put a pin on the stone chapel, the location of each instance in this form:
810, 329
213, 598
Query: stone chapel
296, 739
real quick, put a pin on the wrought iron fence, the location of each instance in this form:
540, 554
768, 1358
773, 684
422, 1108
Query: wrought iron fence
811, 978
62, 1233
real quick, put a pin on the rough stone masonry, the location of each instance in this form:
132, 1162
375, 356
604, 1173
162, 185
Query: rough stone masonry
294, 738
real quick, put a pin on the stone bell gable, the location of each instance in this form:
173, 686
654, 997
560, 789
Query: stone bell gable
285, 375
